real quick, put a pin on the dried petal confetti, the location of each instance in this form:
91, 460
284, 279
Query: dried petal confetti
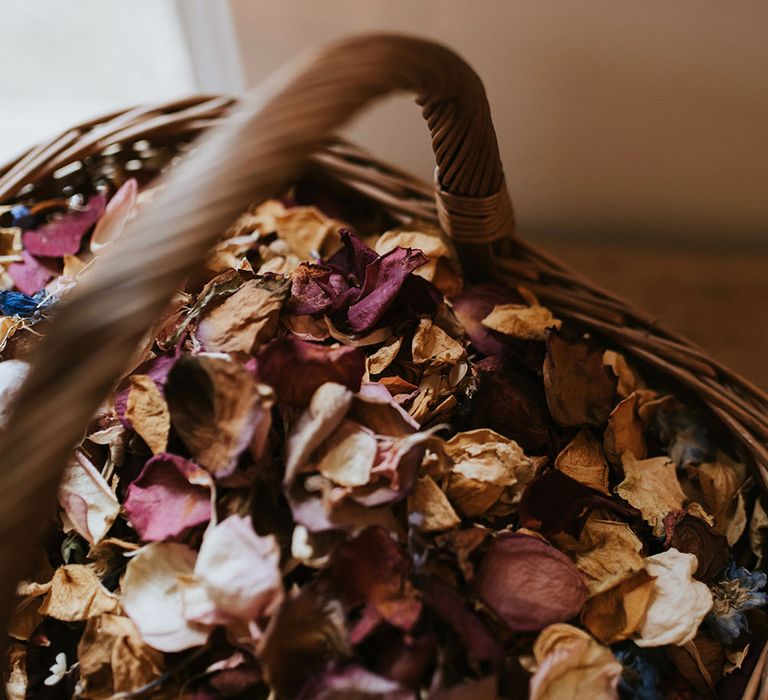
330, 470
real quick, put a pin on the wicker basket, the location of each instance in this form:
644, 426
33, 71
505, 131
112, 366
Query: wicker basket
253, 149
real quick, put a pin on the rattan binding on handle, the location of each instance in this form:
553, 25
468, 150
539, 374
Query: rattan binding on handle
250, 156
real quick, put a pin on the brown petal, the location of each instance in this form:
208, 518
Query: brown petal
77, 594
700, 661
244, 320
651, 486
616, 614
580, 389
217, 408
520, 321
624, 432
433, 509
528, 583
582, 459
113, 658
148, 412
694, 536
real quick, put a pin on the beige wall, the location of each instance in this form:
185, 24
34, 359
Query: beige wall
615, 118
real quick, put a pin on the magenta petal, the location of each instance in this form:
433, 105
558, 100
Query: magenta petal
161, 503
65, 235
383, 280
473, 305
29, 276
296, 368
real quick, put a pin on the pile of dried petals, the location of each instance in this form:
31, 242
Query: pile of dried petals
334, 472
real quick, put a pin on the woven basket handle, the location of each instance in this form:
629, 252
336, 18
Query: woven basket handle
251, 156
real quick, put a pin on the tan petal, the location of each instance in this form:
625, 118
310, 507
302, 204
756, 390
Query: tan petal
484, 465
429, 502
629, 381
616, 614
347, 456
582, 459
624, 432
519, 321
148, 412
651, 486
607, 553
432, 345
384, 356
244, 320
573, 665
580, 390
307, 231
720, 483
88, 503
77, 594
113, 659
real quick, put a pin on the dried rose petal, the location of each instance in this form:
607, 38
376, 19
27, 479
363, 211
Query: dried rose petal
162, 502
64, 236
217, 409
528, 583
296, 369
31, 275
121, 207
514, 406
157, 368
478, 641
371, 570
580, 389
694, 536
553, 502
473, 305
239, 569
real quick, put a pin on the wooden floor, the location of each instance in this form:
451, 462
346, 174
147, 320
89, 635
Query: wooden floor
719, 299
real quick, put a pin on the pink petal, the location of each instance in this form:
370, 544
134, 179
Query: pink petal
162, 503
29, 276
65, 235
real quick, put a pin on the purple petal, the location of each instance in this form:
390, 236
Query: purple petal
384, 279
352, 259
473, 305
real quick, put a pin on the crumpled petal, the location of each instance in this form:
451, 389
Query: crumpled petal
651, 486
572, 664
75, 594
680, 603
113, 658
